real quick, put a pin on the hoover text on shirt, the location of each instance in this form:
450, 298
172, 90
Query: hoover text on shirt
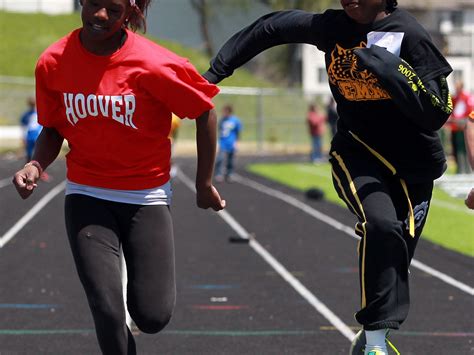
119, 107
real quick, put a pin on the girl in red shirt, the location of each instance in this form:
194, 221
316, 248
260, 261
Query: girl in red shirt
110, 93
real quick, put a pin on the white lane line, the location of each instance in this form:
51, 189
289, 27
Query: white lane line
4, 239
346, 229
280, 269
313, 170
451, 206
5, 182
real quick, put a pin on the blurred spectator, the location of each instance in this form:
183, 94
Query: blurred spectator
317, 126
229, 134
31, 130
30, 127
331, 110
463, 104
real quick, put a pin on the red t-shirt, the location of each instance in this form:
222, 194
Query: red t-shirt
115, 111
317, 123
463, 104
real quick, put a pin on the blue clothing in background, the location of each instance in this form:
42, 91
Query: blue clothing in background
229, 130
31, 130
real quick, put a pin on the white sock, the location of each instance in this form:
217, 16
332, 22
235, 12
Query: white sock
376, 338
369, 349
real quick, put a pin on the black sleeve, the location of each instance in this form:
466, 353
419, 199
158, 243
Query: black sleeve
281, 27
427, 103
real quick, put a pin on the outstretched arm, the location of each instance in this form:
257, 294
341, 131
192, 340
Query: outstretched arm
206, 194
292, 26
427, 104
47, 148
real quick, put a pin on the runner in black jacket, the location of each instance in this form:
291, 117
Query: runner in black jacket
389, 82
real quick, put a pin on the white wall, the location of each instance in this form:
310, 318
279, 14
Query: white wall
462, 70
45, 6
314, 71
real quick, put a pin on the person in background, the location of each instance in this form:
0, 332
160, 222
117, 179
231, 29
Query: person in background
30, 127
317, 127
469, 135
31, 130
230, 129
110, 93
332, 116
463, 104
389, 82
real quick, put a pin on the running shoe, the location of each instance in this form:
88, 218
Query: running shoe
359, 342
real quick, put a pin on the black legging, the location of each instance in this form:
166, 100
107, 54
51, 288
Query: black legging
96, 230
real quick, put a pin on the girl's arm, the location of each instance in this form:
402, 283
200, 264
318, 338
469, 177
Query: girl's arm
428, 104
206, 133
47, 148
292, 26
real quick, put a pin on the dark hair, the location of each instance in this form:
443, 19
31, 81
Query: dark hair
229, 108
136, 20
391, 5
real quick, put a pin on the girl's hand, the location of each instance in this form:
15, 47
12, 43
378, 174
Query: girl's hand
25, 180
208, 197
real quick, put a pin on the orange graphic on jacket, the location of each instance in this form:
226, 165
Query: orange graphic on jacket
354, 84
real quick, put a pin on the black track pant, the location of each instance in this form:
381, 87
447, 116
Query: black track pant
97, 229
378, 199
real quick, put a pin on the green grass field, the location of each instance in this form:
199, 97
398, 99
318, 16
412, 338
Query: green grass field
23, 37
450, 223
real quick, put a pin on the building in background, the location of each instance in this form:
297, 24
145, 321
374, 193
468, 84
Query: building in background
43, 6
450, 24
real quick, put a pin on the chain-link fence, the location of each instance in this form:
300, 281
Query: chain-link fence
270, 117
14, 93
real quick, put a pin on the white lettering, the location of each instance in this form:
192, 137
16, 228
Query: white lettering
117, 102
71, 117
92, 105
104, 108
120, 108
129, 110
80, 105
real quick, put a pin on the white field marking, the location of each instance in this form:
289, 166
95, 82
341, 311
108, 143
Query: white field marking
5, 182
313, 170
4, 239
279, 268
36, 208
350, 231
451, 206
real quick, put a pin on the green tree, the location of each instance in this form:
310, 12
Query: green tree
205, 11
287, 67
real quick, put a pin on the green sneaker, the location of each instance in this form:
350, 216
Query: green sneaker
358, 346
377, 352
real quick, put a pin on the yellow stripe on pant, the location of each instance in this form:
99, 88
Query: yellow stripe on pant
411, 218
364, 239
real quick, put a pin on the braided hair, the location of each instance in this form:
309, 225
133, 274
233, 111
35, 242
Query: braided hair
391, 5
136, 20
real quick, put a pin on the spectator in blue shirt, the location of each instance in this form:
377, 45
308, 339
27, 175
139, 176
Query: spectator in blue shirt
30, 128
229, 134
